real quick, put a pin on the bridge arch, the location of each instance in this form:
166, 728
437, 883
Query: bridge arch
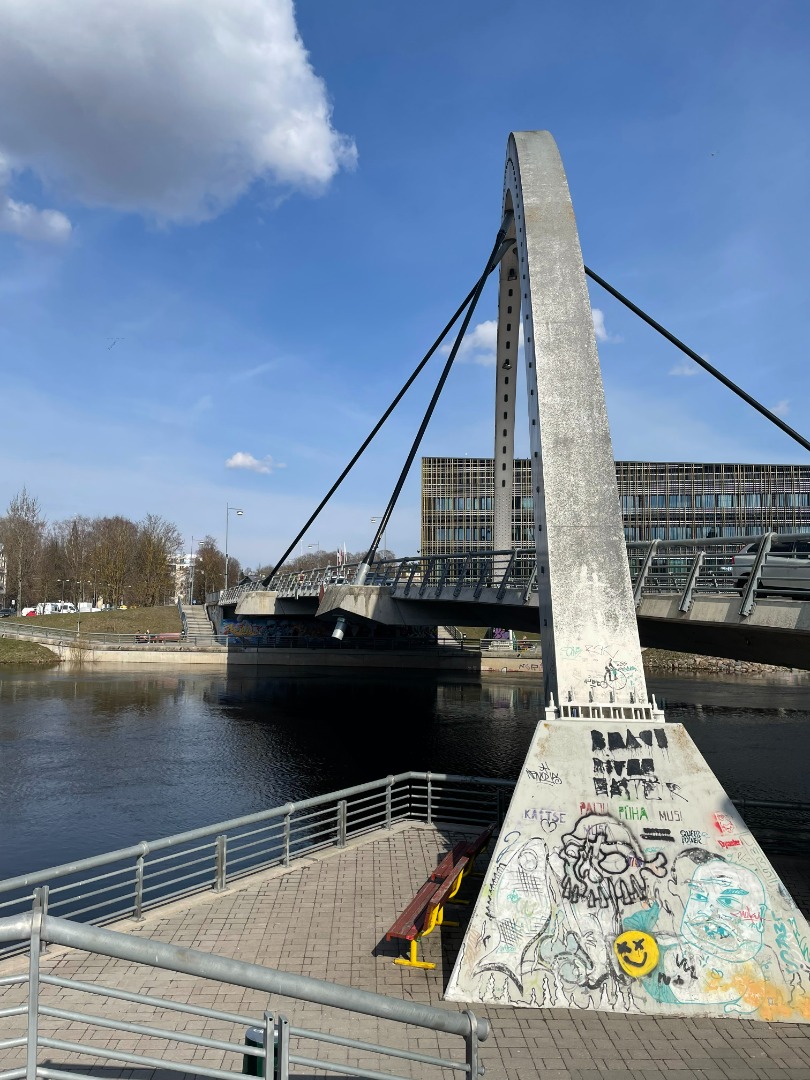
591, 649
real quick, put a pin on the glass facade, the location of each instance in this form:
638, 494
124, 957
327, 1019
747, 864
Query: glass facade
659, 501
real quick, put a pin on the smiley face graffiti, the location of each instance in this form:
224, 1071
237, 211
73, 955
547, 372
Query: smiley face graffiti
636, 952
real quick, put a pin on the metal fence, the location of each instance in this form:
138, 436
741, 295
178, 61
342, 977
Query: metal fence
279, 1046
131, 880
82, 639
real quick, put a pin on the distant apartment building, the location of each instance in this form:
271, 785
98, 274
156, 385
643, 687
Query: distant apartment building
659, 501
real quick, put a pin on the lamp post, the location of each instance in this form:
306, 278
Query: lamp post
374, 521
229, 510
95, 574
191, 574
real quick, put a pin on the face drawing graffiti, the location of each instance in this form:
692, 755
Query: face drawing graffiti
725, 911
604, 866
636, 952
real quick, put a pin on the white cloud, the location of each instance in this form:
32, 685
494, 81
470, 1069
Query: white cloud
23, 220
781, 408
600, 330
241, 460
684, 367
168, 108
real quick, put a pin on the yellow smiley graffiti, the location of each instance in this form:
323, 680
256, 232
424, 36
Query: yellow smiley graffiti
636, 952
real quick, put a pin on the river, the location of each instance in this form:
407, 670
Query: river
91, 760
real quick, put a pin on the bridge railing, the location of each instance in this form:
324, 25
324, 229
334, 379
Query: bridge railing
684, 566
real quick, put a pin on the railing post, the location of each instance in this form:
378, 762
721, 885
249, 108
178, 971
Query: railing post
41, 904
33, 987
283, 1049
474, 1069
388, 790
341, 823
269, 1046
429, 800
137, 913
287, 838
221, 870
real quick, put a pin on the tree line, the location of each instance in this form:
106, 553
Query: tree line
113, 559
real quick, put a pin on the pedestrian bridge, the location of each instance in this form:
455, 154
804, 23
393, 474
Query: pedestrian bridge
689, 596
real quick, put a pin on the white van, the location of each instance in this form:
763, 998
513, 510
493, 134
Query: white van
56, 607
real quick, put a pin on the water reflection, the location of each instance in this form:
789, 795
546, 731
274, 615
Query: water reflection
96, 760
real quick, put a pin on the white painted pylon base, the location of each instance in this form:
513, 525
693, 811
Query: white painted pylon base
624, 880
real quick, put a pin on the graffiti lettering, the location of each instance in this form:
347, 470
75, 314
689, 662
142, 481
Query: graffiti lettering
729, 843
633, 813
544, 775
670, 815
692, 836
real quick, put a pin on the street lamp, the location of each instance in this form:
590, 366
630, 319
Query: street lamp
228, 511
191, 573
374, 521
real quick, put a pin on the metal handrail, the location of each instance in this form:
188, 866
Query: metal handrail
38, 927
130, 880
656, 566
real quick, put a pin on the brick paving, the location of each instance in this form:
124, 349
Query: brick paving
326, 917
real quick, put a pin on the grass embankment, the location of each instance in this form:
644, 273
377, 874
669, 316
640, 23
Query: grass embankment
157, 620
13, 651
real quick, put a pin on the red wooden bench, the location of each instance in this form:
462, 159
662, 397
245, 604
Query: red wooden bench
425, 912
471, 848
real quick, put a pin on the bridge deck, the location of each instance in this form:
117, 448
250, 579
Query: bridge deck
326, 916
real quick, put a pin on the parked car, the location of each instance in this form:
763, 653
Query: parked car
7, 612
785, 571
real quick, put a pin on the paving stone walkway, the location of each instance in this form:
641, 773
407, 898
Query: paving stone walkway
326, 917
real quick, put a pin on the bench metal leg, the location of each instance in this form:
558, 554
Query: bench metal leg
412, 959
440, 919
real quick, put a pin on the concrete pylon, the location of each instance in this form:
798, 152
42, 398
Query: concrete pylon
623, 878
588, 628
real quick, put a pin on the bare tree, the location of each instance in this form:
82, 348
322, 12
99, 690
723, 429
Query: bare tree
22, 531
153, 579
116, 542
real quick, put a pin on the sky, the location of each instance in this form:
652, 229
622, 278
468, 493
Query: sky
229, 230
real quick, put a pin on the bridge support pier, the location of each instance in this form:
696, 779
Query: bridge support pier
623, 878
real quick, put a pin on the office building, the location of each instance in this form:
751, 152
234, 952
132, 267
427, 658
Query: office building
659, 501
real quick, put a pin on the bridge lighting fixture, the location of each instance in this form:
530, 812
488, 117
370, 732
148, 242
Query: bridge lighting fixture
507, 364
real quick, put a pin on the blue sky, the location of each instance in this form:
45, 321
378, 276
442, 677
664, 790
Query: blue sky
201, 264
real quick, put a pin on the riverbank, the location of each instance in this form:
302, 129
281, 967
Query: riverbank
655, 662
14, 651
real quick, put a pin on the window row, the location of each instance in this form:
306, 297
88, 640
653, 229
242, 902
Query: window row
706, 500
464, 534
461, 502
685, 532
